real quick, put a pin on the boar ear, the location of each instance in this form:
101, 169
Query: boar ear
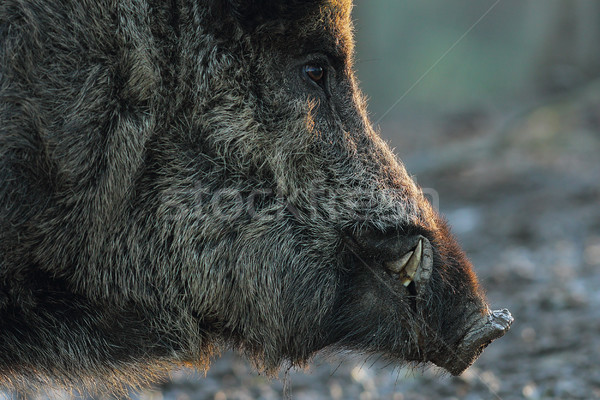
251, 13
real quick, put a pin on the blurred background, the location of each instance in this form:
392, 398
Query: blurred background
494, 106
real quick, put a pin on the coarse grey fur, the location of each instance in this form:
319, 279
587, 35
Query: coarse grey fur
173, 183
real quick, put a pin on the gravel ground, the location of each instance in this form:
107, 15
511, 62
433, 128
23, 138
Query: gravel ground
527, 211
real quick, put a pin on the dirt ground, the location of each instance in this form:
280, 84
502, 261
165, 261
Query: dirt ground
523, 195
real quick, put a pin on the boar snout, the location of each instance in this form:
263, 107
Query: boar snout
485, 329
450, 323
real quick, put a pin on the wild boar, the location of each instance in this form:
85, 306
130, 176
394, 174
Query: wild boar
180, 177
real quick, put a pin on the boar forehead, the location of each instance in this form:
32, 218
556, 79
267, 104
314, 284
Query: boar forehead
329, 30
298, 29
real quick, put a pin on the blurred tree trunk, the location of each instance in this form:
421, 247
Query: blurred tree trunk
569, 50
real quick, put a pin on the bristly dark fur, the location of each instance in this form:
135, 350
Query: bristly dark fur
172, 184
253, 13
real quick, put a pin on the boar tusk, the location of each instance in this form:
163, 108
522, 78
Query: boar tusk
413, 264
397, 266
408, 265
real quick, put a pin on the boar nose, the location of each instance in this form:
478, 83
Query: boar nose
409, 258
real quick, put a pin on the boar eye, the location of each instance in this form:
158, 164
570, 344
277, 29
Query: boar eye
315, 73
